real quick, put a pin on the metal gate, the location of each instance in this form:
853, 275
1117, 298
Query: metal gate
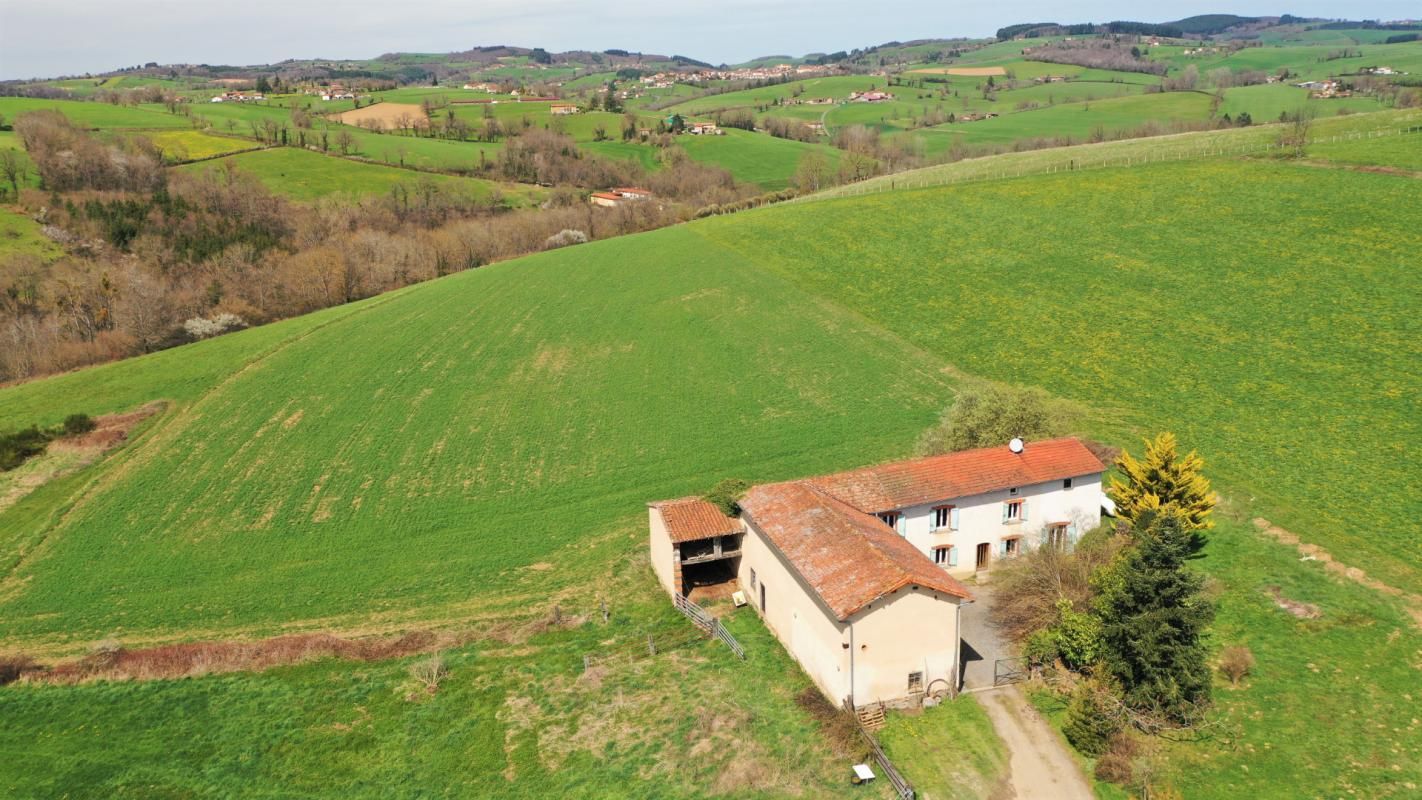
1010, 670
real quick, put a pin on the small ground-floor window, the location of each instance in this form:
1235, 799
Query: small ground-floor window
1011, 547
915, 682
946, 556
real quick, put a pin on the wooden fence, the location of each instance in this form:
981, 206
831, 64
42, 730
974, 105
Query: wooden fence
708, 624
902, 787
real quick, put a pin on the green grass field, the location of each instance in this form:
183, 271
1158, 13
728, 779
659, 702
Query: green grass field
508, 722
477, 448
20, 235
304, 175
472, 476
95, 115
1312, 344
196, 145
949, 752
756, 158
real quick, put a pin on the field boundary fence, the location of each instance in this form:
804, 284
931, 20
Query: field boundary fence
926, 177
651, 641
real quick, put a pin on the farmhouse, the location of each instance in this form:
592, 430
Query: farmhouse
870, 97
703, 129
562, 109
857, 572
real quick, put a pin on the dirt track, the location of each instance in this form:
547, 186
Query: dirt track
1039, 766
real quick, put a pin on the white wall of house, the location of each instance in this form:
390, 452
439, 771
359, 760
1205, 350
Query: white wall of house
661, 550
979, 519
910, 631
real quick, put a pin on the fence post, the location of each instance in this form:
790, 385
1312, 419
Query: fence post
651, 645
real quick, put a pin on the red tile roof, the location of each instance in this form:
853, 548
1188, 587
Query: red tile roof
691, 518
849, 558
924, 480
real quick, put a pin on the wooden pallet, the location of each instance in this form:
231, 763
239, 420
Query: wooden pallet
872, 716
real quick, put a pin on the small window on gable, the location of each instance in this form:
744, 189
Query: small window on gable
752, 570
915, 682
891, 518
1066, 483
1012, 492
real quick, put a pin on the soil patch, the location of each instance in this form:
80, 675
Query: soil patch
110, 661
1312, 552
386, 116
1300, 610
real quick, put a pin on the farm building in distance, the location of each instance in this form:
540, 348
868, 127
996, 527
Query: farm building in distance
562, 109
618, 196
855, 572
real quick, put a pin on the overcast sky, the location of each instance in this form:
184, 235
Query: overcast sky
45, 38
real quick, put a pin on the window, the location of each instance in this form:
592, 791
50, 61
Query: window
941, 555
891, 518
945, 518
915, 682
1066, 483
752, 579
762, 598
1057, 535
1011, 547
1012, 492
1014, 511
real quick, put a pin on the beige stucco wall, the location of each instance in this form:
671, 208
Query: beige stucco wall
661, 549
910, 631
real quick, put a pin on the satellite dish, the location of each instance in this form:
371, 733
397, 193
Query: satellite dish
1016, 445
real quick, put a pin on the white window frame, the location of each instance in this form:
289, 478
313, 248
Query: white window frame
1014, 511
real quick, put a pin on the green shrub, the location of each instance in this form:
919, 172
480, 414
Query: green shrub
1041, 647
75, 424
991, 414
726, 496
1077, 635
17, 447
1089, 723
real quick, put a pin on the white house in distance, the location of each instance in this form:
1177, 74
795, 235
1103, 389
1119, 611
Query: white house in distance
855, 572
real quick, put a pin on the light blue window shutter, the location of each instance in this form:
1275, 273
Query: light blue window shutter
953, 519
1004, 512
1002, 547
1071, 532
1024, 510
952, 556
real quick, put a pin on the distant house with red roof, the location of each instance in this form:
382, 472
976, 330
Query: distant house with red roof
857, 572
618, 196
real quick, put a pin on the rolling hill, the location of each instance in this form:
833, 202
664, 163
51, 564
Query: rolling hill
477, 450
